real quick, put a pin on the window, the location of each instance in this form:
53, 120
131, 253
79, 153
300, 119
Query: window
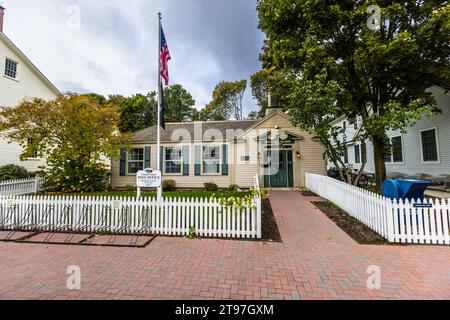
346, 155
245, 158
357, 154
397, 149
32, 152
363, 152
429, 146
173, 161
211, 160
394, 154
135, 160
11, 68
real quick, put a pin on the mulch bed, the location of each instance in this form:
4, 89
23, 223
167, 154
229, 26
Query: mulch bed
308, 193
355, 229
269, 225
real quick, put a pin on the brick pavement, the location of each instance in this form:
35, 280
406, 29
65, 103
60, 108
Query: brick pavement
316, 260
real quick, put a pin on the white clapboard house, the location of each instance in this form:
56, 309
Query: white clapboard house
423, 152
19, 79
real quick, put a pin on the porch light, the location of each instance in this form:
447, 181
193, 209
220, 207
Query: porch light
299, 156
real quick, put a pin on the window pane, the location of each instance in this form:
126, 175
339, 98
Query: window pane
211, 160
357, 154
173, 160
134, 167
397, 149
211, 153
10, 68
346, 155
429, 146
173, 153
136, 155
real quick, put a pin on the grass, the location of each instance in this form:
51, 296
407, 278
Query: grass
175, 194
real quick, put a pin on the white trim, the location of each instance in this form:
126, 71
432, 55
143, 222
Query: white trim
18, 67
391, 162
360, 153
127, 172
164, 161
436, 134
220, 160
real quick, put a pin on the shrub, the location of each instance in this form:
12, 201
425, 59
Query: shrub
169, 185
130, 188
12, 172
71, 177
233, 188
211, 186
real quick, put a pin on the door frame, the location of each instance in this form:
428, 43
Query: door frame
289, 168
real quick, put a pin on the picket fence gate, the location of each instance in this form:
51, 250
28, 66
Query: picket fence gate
418, 221
20, 187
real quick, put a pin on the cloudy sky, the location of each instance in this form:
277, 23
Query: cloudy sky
114, 50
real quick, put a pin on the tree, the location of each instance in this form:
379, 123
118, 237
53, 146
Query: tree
260, 83
74, 133
138, 112
382, 55
227, 101
180, 104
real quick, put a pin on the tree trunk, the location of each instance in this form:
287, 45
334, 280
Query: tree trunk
380, 166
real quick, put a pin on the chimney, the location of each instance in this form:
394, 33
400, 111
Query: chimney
2, 15
274, 105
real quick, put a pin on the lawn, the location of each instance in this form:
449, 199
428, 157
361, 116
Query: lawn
175, 194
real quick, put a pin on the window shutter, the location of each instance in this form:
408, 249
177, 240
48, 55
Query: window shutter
147, 157
123, 162
225, 160
186, 161
161, 158
198, 160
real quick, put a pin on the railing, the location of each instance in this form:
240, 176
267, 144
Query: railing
424, 222
20, 187
175, 217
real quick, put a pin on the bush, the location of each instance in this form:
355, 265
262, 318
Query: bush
233, 188
169, 185
211, 186
130, 188
77, 178
12, 172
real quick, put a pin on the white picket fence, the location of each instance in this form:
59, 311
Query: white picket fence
422, 222
174, 217
20, 187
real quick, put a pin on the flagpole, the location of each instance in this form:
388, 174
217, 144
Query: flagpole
159, 191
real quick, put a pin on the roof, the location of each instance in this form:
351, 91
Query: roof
29, 64
175, 130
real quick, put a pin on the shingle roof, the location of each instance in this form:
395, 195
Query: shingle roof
173, 130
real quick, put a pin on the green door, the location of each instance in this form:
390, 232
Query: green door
279, 173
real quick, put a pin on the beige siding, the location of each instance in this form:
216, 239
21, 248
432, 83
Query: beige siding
311, 152
311, 161
276, 120
187, 182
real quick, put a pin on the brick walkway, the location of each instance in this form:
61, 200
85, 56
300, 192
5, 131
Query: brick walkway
316, 261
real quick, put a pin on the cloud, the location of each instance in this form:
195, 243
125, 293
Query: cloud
115, 50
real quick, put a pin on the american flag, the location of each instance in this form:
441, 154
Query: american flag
165, 58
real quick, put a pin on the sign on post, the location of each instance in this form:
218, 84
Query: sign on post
148, 178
